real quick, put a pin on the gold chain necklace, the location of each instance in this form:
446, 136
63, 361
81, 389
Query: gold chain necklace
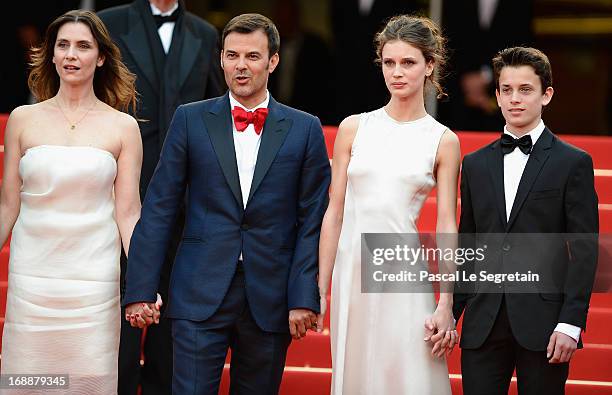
74, 124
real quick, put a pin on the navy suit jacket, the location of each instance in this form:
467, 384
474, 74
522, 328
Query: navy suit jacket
277, 233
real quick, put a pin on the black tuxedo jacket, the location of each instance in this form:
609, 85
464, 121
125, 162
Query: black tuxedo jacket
556, 194
189, 72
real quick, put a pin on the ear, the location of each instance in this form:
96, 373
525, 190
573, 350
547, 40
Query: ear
429, 67
100, 61
221, 59
547, 96
497, 97
273, 62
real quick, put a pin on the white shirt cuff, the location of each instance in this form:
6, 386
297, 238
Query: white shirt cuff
570, 330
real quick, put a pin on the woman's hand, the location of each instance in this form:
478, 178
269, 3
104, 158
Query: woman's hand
440, 331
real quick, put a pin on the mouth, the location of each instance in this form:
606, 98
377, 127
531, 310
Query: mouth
71, 68
242, 78
516, 110
398, 84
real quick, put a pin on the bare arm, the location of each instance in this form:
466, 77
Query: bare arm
447, 175
332, 221
439, 328
10, 199
127, 195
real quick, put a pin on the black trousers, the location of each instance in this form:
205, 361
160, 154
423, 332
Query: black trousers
488, 370
155, 376
200, 349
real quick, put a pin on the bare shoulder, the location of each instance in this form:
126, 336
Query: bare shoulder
449, 139
20, 117
125, 123
346, 133
27, 111
449, 147
349, 124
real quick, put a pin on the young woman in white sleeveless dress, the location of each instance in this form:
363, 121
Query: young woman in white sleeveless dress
69, 196
385, 164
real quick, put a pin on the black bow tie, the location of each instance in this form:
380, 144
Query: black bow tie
160, 20
509, 143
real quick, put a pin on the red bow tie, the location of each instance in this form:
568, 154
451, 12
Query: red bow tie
242, 118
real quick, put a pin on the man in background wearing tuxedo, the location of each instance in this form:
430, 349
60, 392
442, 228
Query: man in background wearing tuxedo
527, 182
175, 57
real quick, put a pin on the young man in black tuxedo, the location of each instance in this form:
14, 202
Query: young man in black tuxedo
528, 181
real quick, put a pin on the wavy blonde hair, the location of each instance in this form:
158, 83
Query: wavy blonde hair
113, 83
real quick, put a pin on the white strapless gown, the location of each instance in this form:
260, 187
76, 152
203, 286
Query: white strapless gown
377, 338
62, 310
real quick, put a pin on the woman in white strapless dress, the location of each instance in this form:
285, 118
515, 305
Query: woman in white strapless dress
385, 164
69, 195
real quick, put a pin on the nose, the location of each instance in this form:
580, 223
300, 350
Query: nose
397, 70
515, 98
241, 65
71, 53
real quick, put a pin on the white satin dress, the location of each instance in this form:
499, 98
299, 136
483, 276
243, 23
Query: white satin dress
377, 338
62, 311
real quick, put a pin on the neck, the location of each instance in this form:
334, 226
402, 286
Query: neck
250, 101
72, 97
163, 5
406, 109
520, 131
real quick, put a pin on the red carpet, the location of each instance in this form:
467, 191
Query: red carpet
308, 368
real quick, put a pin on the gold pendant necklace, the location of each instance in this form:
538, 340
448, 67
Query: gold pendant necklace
74, 124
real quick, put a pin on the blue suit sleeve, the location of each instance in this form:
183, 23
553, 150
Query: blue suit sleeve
313, 198
153, 231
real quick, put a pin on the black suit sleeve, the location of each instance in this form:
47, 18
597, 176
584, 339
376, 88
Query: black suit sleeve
467, 228
581, 215
215, 85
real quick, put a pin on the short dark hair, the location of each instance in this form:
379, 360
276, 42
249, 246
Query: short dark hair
248, 23
523, 56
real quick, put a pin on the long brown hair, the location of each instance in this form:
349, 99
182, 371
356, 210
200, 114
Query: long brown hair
113, 83
422, 33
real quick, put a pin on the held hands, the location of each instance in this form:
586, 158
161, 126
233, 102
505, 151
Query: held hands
440, 331
560, 348
143, 314
300, 320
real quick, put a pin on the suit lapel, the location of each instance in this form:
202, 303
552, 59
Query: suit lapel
136, 42
182, 55
274, 132
219, 123
495, 163
537, 158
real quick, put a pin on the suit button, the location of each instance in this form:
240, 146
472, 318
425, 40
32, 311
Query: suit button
506, 247
244, 227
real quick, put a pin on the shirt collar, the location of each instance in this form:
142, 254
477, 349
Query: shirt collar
535, 133
263, 104
157, 11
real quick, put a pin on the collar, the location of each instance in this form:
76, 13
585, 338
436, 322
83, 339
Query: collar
156, 11
535, 133
263, 104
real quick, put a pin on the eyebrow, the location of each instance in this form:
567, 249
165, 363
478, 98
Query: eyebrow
231, 51
404, 58
521, 85
79, 42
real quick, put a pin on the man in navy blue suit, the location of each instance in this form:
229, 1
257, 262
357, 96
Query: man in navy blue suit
256, 175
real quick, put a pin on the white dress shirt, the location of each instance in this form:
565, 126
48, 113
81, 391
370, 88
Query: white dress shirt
486, 12
246, 144
514, 165
165, 30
